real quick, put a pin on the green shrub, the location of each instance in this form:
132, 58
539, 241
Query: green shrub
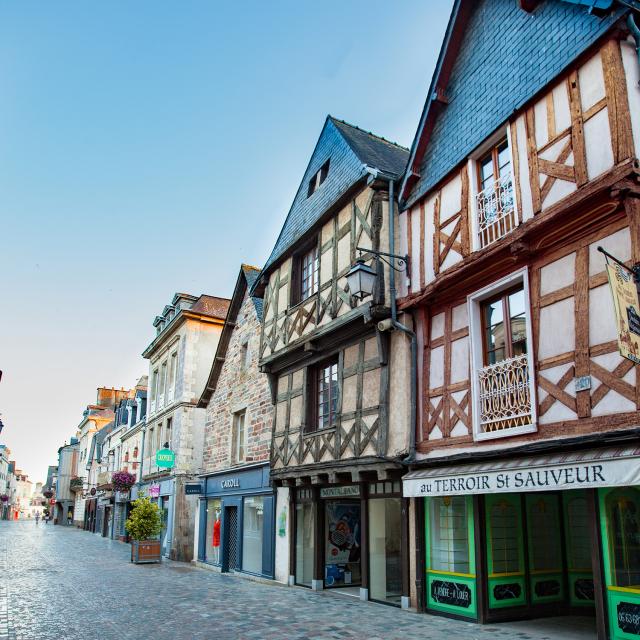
144, 522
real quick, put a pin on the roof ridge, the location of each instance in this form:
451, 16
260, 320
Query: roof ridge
369, 133
244, 265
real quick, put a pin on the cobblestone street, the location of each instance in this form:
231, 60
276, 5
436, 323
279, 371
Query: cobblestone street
64, 583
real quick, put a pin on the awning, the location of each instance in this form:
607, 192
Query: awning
605, 467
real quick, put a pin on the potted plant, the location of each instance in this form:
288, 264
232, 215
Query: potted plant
143, 526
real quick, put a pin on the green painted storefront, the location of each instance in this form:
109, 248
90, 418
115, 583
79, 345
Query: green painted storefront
500, 556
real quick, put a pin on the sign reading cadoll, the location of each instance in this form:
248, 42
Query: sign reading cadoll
556, 477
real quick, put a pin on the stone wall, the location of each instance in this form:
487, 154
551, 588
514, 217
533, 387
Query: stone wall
240, 387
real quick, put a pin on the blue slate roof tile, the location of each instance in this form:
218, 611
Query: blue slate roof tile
506, 56
348, 148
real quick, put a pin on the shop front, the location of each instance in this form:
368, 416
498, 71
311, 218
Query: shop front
349, 537
237, 521
121, 510
104, 514
161, 493
90, 508
533, 537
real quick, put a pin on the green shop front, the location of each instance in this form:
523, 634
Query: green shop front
532, 537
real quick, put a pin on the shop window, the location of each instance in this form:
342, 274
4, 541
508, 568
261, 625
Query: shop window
385, 558
623, 524
239, 437
503, 369
543, 522
504, 525
577, 532
305, 549
449, 539
323, 396
252, 534
213, 541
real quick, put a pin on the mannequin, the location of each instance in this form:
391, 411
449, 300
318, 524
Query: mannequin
215, 542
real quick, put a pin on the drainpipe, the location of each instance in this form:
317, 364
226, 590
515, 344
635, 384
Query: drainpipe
400, 327
635, 32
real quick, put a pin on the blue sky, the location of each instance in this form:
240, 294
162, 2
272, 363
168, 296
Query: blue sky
151, 147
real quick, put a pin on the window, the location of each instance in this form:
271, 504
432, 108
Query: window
318, 178
239, 437
245, 356
305, 274
167, 433
212, 547
150, 442
494, 201
252, 534
502, 339
162, 383
154, 389
623, 525
449, 535
173, 361
158, 436
503, 371
323, 399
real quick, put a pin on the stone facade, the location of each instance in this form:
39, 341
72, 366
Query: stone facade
240, 387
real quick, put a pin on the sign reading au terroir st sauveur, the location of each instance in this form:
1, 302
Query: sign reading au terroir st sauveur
165, 458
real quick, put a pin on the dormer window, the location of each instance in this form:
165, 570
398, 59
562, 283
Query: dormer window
318, 178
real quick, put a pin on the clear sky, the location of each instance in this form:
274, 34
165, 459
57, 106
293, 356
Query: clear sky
151, 147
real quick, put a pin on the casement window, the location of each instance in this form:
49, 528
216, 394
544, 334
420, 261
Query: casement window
495, 205
173, 366
322, 400
317, 179
167, 433
503, 375
305, 274
154, 389
449, 539
162, 384
239, 434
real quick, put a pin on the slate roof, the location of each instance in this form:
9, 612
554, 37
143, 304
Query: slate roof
505, 56
211, 306
349, 149
247, 278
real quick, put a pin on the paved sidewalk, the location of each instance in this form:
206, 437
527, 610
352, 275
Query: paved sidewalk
64, 584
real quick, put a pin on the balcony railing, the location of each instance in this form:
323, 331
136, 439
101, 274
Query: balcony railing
505, 395
496, 211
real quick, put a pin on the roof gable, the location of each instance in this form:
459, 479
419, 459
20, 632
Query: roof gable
495, 57
348, 149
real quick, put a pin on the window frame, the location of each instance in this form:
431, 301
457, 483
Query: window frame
235, 434
297, 295
476, 347
318, 178
313, 395
473, 169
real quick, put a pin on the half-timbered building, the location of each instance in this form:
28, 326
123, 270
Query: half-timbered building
337, 437
525, 472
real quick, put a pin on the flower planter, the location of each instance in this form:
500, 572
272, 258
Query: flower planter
145, 551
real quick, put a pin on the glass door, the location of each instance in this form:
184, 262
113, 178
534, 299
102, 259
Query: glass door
342, 543
305, 550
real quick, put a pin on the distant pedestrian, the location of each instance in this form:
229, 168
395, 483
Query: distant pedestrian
46, 518
37, 517
69, 519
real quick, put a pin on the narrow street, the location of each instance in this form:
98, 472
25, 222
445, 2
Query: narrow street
64, 583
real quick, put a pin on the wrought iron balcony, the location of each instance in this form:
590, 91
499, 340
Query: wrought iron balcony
495, 211
505, 395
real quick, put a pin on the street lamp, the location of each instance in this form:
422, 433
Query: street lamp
362, 278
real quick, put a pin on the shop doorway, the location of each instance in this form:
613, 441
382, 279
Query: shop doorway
538, 557
231, 539
342, 555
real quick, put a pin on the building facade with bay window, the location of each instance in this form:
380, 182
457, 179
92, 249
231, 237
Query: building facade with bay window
341, 417
526, 478
236, 516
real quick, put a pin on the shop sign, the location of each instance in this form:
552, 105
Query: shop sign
193, 489
52, 501
628, 614
230, 483
452, 593
627, 308
621, 472
154, 490
165, 458
340, 492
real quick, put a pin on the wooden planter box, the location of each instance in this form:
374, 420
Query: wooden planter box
143, 551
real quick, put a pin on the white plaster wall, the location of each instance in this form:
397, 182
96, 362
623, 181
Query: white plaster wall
523, 165
460, 360
415, 248
632, 73
591, 79
429, 230
597, 141
401, 282
602, 322
557, 274
617, 244
399, 390
561, 339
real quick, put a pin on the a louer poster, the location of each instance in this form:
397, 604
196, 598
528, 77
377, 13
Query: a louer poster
343, 534
627, 310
